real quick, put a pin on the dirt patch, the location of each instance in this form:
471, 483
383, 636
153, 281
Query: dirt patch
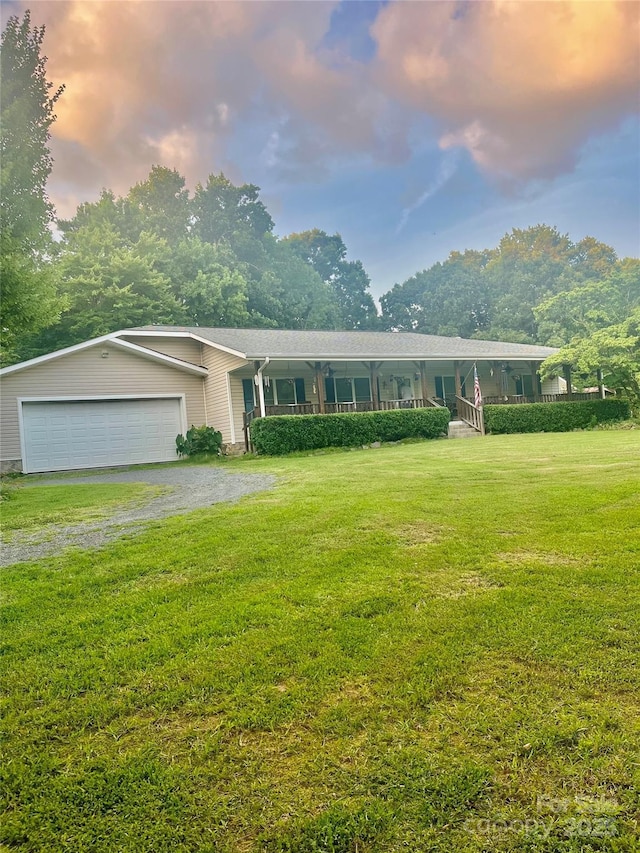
419, 533
543, 557
468, 585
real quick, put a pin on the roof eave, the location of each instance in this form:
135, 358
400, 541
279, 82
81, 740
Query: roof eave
112, 339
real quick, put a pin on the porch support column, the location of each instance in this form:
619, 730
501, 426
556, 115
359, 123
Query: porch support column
373, 379
601, 390
566, 372
320, 386
456, 367
423, 381
535, 379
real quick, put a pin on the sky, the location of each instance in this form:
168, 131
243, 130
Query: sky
411, 128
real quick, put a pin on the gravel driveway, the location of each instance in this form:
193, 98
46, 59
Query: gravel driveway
188, 488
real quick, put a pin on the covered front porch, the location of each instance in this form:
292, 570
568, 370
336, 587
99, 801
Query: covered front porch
278, 387
417, 403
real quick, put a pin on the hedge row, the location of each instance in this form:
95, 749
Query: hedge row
553, 417
286, 433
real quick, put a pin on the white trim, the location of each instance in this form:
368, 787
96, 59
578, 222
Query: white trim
23, 452
230, 404
204, 403
32, 362
384, 358
182, 334
87, 399
113, 339
153, 355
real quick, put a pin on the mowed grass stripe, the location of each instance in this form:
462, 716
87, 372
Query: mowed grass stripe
393, 649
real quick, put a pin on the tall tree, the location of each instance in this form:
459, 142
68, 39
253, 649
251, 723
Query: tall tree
225, 213
285, 292
160, 205
348, 279
125, 261
615, 350
108, 284
27, 100
450, 298
299, 298
598, 327
529, 265
593, 305
108, 211
209, 283
494, 293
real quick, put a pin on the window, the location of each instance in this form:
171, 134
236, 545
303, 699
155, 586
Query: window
340, 390
284, 392
362, 388
344, 391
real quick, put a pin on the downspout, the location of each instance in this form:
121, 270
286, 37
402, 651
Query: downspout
259, 383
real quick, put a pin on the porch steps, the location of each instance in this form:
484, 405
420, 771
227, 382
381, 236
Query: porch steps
460, 429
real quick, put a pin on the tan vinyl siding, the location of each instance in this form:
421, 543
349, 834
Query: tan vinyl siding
185, 349
88, 374
555, 385
237, 402
219, 364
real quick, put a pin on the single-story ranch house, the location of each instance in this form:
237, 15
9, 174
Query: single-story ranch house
123, 398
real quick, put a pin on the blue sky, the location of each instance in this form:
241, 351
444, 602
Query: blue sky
413, 129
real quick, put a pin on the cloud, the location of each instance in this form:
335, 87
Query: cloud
520, 85
446, 171
171, 82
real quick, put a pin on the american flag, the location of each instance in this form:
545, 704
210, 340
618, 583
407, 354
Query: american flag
477, 393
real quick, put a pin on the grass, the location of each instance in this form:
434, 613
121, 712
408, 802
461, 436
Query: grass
425, 647
29, 509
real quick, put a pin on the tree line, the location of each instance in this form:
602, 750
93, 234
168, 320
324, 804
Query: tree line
537, 286
159, 255
164, 255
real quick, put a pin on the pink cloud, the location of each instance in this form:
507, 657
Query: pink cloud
520, 85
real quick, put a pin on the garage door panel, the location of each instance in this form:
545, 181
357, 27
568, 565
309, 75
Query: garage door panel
60, 435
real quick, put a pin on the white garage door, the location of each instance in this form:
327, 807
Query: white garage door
96, 433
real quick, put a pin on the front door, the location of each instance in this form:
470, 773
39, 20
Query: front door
446, 390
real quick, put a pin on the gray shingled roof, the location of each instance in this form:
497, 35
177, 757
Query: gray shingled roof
279, 343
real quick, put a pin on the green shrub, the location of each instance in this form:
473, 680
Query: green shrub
204, 439
287, 433
553, 417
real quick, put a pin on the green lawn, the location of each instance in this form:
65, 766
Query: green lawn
28, 509
422, 647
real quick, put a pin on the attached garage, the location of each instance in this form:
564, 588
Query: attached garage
102, 403
59, 435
